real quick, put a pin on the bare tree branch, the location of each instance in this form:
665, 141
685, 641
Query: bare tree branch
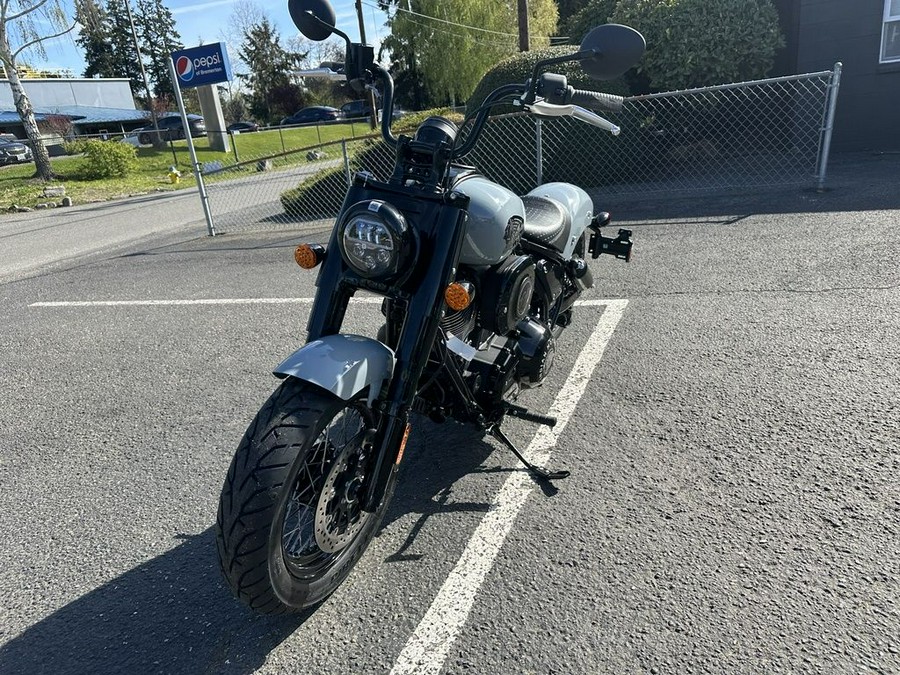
31, 43
13, 17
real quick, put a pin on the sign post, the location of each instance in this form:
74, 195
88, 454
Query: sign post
197, 67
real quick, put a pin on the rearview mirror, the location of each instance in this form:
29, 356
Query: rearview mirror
314, 18
617, 49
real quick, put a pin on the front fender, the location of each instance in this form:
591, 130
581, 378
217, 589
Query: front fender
342, 364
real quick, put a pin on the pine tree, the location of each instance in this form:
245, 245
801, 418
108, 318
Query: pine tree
272, 94
93, 38
156, 30
120, 43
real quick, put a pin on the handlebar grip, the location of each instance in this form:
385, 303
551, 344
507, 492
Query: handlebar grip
596, 100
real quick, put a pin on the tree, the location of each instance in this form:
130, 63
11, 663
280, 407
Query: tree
24, 27
453, 50
93, 38
272, 94
156, 29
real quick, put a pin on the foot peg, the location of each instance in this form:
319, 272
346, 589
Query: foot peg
524, 414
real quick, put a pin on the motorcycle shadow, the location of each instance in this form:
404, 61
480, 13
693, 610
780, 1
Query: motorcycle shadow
436, 458
173, 613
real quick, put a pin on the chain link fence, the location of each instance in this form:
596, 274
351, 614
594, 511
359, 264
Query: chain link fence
753, 134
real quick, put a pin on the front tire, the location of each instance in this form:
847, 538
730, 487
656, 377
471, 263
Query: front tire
289, 527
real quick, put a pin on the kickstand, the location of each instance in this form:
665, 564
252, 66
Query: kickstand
536, 471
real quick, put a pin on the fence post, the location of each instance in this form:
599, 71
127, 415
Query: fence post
281, 136
833, 86
539, 142
346, 160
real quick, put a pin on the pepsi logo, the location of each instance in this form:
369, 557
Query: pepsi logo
185, 69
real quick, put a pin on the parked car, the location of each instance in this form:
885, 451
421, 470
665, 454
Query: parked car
14, 151
360, 109
242, 127
356, 109
316, 113
171, 129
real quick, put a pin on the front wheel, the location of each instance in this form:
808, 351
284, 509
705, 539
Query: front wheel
289, 527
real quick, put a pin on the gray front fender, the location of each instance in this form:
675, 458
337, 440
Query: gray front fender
342, 364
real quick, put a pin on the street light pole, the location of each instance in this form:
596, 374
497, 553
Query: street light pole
157, 141
362, 38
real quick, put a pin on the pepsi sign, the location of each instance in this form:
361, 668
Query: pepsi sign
198, 66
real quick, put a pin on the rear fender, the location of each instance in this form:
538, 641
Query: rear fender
343, 364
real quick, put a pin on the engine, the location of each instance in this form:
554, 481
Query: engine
506, 293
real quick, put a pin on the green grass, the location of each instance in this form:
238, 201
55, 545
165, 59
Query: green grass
19, 187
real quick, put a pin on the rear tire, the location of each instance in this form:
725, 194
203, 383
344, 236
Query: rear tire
144, 139
289, 528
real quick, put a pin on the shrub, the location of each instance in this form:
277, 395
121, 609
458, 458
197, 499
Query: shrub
698, 43
409, 123
107, 159
74, 147
321, 195
518, 68
596, 13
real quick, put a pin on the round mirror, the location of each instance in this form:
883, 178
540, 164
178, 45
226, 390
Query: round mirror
618, 49
314, 18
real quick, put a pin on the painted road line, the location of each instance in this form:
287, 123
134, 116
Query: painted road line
429, 645
238, 301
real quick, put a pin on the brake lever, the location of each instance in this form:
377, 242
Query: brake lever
545, 109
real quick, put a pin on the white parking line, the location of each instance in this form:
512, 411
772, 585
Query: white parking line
367, 300
427, 648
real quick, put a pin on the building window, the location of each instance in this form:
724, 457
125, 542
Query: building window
890, 34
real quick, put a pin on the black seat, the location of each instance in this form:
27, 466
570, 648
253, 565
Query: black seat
546, 221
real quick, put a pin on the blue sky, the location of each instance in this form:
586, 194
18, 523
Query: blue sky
206, 21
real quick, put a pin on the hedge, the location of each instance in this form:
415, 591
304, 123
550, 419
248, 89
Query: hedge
698, 43
518, 68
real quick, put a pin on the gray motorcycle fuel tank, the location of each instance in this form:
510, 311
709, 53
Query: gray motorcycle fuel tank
496, 221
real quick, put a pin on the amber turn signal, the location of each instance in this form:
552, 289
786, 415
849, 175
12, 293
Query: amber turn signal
309, 255
457, 296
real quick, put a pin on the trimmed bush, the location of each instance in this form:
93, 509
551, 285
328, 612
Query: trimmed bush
518, 68
107, 159
322, 194
698, 43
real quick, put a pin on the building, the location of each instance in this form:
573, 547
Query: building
92, 106
865, 36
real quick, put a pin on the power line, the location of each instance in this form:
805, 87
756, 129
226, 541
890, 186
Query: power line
462, 25
451, 23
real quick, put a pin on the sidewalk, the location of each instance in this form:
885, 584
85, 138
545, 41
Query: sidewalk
36, 240
855, 182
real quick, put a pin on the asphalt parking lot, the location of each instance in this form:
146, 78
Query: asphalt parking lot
733, 506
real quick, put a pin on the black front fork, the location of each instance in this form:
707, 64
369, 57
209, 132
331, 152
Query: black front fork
440, 223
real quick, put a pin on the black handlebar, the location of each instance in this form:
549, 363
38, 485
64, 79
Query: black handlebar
595, 100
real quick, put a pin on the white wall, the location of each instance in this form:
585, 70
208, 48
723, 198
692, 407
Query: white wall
47, 93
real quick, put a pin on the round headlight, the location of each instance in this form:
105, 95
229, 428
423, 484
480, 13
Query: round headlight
374, 239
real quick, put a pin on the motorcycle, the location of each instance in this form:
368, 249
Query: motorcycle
477, 283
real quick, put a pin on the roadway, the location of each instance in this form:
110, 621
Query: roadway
733, 505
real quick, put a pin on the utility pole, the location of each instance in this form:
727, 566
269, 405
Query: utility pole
362, 38
523, 25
